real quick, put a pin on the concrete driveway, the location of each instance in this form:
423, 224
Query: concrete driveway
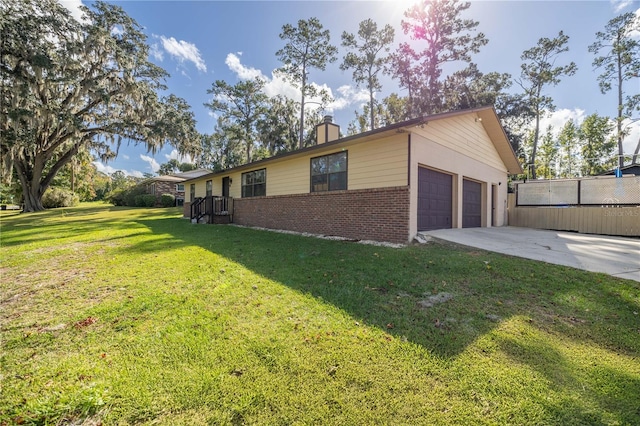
615, 256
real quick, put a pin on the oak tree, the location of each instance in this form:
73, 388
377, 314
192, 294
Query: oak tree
70, 85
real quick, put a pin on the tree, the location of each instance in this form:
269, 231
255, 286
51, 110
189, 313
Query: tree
367, 61
243, 105
470, 88
78, 176
447, 37
538, 71
169, 167
568, 142
174, 166
69, 85
278, 127
620, 63
548, 154
597, 146
307, 46
222, 149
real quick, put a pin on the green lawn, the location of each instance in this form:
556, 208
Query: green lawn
135, 316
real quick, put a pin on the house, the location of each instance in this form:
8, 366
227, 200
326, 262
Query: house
629, 169
171, 184
446, 170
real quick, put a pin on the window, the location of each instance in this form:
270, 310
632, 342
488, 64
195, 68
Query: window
192, 192
254, 184
180, 187
152, 189
209, 188
329, 172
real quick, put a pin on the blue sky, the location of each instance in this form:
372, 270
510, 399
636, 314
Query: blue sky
199, 42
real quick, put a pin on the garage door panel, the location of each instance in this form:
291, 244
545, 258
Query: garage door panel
434, 200
471, 204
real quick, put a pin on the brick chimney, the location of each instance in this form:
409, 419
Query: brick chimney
327, 131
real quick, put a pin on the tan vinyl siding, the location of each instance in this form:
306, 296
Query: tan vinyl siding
464, 135
378, 163
288, 177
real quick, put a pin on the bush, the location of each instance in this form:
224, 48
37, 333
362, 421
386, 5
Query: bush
117, 197
148, 200
131, 196
58, 197
167, 200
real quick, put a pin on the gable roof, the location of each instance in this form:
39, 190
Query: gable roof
178, 177
487, 114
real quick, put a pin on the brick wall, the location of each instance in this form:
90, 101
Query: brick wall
164, 187
371, 214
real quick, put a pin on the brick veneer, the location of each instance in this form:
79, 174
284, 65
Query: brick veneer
370, 214
165, 187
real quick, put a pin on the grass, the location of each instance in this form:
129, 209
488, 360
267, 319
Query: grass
136, 316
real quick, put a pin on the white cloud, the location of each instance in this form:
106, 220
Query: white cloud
104, 168
125, 156
636, 33
619, 5
278, 85
243, 72
633, 138
152, 162
156, 52
175, 155
559, 118
183, 51
74, 7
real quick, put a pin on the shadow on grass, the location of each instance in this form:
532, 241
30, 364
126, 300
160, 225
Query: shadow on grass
391, 288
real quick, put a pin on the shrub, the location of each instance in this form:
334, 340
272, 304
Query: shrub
167, 200
131, 196
58, 197
117, 197
148, 200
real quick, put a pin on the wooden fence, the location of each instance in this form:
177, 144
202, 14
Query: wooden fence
621, 221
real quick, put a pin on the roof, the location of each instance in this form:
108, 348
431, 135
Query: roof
490, 122
632, 169
178, 177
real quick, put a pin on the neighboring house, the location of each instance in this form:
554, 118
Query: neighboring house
442, 171
631, 169
171, 184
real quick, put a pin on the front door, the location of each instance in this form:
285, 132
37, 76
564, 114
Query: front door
225, 186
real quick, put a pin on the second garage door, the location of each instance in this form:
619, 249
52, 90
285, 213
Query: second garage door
471, 204
434, 200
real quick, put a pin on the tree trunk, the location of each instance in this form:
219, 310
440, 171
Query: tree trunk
32, 199
535, 147
371, 107
620, 105
303, 88
635, 153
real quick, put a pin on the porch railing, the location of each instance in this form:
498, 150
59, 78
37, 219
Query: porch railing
211, 206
